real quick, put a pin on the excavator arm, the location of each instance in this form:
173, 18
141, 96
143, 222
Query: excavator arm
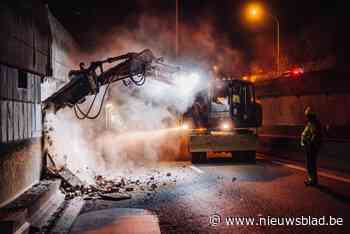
131, 69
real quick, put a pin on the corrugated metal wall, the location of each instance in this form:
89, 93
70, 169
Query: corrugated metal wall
25, 42
25, 56
25, 35
34, 47
20, 108
65, 51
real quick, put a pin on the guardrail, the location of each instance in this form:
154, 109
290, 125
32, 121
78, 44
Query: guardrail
326, 139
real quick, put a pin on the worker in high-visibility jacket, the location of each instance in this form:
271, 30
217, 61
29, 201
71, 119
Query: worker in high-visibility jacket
311, 140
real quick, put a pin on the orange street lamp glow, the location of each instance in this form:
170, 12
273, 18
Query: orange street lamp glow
254, 11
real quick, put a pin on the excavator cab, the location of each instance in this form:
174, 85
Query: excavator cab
244, 109
233, 102
229, 121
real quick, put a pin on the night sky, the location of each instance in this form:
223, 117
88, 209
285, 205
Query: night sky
295, 16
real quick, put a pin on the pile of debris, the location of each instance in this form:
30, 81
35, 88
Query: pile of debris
107, 189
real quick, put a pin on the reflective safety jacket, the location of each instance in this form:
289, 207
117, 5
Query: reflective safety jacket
312, 134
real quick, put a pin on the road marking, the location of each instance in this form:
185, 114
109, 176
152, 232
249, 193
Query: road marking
196, 169
321, 173
289, 165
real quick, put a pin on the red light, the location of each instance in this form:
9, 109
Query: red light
297, 71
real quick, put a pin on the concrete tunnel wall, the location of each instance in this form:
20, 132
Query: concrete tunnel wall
284, 101
332, 109
34, 48
328, 93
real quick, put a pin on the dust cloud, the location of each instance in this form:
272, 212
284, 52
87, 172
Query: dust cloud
138, 125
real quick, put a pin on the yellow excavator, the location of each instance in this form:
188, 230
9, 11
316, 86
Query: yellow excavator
224, 118
131, 69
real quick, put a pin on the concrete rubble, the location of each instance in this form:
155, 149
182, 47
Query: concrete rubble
118, 188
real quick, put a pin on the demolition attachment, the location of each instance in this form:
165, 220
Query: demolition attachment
132, 69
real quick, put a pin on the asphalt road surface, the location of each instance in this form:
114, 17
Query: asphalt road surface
187, 198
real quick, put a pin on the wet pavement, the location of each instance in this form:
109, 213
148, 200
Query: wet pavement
187, 197
117, 220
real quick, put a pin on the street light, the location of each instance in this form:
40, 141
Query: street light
255, 12
109, 108
177, 29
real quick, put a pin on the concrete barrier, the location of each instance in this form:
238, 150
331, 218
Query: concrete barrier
333, 154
